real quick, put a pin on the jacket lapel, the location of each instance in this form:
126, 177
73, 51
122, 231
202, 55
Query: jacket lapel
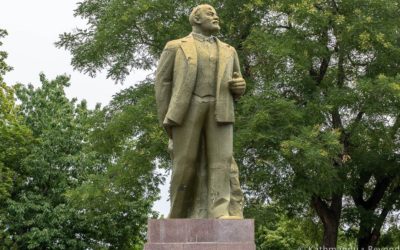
189, 49
223, 53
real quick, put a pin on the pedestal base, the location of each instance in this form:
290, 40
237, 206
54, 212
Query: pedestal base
200, 234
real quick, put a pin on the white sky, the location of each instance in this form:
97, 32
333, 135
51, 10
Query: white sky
33, 28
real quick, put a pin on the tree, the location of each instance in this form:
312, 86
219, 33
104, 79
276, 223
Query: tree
320, 119
117, 199
390, 238
333, 64
126, 35
74, 178
8, 120
15, 140
275, 229
36, 213
89, 178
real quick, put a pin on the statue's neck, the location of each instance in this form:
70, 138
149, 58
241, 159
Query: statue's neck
198, 30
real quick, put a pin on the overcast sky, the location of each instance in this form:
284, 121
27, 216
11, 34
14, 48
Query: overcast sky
33, 28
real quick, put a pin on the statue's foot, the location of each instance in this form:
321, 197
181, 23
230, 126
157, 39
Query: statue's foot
227, 217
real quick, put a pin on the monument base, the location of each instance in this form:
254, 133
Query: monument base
200, 234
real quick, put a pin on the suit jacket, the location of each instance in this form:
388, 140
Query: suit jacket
176, 79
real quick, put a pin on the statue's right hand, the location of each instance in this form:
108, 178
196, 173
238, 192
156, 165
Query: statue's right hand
237, 85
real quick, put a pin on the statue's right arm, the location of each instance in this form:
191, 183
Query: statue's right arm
164, 78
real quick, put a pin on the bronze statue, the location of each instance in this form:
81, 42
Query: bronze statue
198, 78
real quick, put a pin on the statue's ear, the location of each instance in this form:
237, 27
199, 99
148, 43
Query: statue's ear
197, 19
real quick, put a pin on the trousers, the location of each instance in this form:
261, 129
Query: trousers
200, 127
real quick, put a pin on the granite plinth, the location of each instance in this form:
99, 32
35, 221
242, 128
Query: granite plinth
200, 234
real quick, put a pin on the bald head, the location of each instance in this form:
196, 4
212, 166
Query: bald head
196, 12
204, 19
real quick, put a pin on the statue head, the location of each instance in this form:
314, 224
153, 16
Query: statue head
204, 19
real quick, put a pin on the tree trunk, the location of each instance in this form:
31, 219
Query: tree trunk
367, 242
369, 232
372, 233
330, 236
330, 217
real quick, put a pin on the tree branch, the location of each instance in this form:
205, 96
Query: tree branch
359, 117
323, 69
336, 205
143, 39
378, 193
375, 234
336, 119
356, 63
325, 212
396, 126
359, 189
288, 27
335, 6
341, 73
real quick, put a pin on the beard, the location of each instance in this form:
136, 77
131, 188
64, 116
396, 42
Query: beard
211, 27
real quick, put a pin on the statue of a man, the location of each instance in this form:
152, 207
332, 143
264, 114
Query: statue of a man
198, 78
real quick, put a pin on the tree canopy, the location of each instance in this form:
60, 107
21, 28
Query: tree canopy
319, 123
316, 137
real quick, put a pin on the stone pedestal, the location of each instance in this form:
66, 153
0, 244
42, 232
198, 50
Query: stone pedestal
200, 234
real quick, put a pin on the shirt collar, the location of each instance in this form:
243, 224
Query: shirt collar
203, 38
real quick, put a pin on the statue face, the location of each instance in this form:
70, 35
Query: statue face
208, 20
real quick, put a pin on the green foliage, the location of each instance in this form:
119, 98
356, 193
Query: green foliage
138, 26
117, 200
276, 230
15, 140
390, 238
36, 213
4, 67
288, 234
337, 62
320, 118
122, 35
87, 179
